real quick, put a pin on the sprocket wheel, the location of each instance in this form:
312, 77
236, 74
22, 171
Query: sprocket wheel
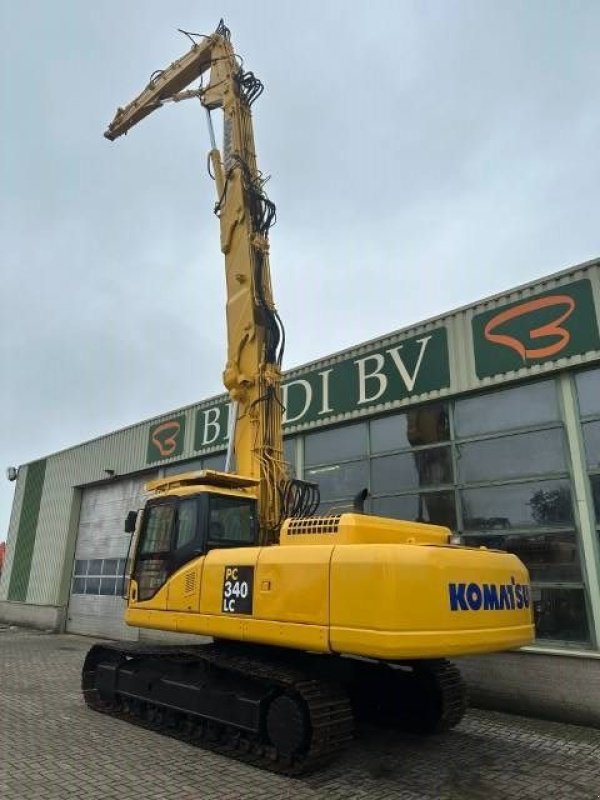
287, 725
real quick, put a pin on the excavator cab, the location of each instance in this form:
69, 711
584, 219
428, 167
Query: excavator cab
192, 514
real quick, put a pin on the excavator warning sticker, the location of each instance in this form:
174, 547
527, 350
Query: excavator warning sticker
238, 585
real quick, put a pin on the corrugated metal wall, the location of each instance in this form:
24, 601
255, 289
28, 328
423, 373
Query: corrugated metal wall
13, 527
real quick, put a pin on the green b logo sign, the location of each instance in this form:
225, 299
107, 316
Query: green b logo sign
166, 439
551, 325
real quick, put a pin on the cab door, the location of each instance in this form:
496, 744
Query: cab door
170, 544
187, 559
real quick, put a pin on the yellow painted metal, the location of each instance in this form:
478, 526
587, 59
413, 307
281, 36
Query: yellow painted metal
211, 481
377, 598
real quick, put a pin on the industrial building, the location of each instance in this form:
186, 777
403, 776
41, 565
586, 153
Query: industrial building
486, 420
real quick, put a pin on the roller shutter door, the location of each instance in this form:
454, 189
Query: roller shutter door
96, 607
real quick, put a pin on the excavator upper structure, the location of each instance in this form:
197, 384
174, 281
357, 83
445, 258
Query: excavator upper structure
316, 621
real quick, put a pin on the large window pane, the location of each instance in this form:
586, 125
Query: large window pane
435, 507
533, 404
343, 505
511, 456
420, 426
588, 391
411, 470
183, 466
81, 567
338, 444
560, 614
107, 586
216, 461
289, 453
523, 505
340, 480
591, 436
547, 556
110, 566
595, 481
92, 586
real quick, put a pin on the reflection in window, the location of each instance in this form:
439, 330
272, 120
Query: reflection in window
420, 426
588, 391
337, 444
547, 556
513, 456
411, 470
157, 532
560, 614
342, 505
523, 505
532, 404
435, 507
595, 482
231, 519
186, 523
340, 480
591, 436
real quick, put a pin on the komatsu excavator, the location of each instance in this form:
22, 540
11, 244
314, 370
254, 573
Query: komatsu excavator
313, 621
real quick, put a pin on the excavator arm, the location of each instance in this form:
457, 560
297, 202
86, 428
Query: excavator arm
255, 336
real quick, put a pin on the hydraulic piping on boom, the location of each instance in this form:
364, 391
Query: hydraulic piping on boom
255, 332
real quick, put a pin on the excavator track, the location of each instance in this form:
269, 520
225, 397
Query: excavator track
301, 723
425, 697
434, 699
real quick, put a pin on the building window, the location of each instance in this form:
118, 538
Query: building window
411, 466
493, 467
337, 460
515, 495
525, 406
98, 576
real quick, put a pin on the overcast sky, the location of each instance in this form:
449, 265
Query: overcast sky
423, 155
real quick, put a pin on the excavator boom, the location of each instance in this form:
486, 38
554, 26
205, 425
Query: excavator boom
164, 85
255, 338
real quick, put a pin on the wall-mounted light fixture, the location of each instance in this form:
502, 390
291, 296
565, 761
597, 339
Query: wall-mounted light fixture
11, 473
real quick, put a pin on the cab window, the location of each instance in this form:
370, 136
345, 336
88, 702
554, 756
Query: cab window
157, 533
186, 523
231, 521
170, 538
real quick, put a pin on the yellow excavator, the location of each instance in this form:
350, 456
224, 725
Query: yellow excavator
314, 621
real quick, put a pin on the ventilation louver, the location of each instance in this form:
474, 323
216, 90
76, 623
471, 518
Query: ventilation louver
303, 525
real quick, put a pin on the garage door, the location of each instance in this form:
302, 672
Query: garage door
96, 607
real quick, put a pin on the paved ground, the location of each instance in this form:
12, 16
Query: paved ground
53, 748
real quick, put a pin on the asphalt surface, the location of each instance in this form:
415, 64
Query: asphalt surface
53, 748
